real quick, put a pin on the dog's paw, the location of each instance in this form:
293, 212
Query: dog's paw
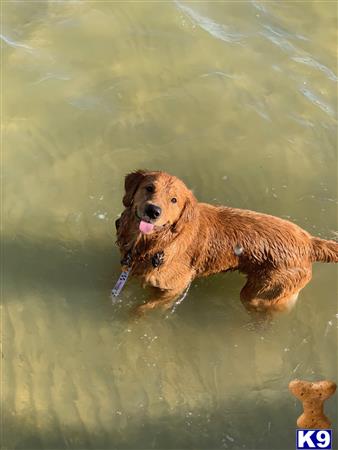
157, 259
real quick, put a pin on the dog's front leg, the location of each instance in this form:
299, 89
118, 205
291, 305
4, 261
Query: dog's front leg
162, 299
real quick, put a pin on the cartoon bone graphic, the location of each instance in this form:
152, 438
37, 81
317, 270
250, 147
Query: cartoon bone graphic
313, 395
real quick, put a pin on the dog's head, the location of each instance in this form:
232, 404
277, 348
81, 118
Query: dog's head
158, 200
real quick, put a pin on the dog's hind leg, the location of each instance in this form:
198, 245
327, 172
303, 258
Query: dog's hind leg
277, 291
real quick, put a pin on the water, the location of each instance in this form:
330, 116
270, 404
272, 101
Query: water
239, 100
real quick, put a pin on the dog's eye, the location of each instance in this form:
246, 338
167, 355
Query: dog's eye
174, 200
150, 188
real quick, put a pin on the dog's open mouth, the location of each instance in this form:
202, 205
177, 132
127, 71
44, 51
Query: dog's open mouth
145, 226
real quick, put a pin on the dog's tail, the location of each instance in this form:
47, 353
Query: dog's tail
324, 251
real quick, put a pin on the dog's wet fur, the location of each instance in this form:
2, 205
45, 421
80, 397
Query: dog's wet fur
169, 238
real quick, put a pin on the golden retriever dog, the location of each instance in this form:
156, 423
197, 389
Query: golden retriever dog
167, 238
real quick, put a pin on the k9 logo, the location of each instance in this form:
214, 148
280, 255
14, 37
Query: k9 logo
314, 439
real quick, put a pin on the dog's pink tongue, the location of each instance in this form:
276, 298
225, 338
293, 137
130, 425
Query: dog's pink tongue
146, 227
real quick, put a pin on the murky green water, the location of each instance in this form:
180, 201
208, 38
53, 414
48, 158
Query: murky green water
239, 100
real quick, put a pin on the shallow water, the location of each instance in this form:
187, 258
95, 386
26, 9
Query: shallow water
239, 100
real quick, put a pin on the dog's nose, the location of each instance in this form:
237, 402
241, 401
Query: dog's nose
153, 211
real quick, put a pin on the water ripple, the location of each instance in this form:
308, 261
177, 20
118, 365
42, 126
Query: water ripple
15, 44
219, 73
313, 63
259, 6
316, 100
279, 40
52, 76
215, 29
283, 33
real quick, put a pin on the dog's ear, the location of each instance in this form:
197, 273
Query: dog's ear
131, 183
188, 213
